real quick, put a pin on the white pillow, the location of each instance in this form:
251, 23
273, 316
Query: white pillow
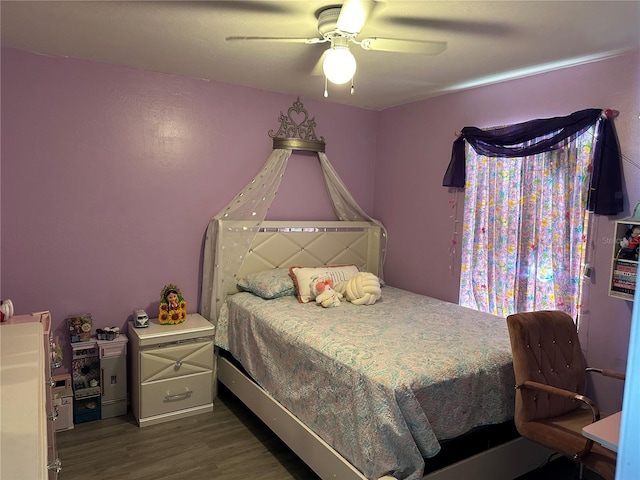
304, 276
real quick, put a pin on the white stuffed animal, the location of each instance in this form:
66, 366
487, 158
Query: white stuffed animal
325, 294
361, 289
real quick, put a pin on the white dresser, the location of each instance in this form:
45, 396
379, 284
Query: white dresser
171, 370
27, 436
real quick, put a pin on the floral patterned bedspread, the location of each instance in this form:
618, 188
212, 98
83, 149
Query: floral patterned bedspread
382, 384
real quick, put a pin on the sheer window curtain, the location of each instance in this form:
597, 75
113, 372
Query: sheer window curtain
524, 229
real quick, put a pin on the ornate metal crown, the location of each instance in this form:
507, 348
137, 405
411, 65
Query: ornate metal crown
297, 130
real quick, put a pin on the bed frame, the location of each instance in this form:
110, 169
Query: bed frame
283, 244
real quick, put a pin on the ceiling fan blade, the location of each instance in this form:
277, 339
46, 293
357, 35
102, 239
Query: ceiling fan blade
308, 41
423, 47
353, 15
484, 27
246, 6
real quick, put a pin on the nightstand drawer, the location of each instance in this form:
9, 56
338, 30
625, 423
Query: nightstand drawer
167, 396
171, 370
176, 360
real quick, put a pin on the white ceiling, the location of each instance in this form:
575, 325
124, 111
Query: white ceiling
487, 41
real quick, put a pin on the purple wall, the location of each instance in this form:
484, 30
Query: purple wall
413, 155
110, 176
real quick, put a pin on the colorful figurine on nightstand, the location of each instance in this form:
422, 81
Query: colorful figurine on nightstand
173, 308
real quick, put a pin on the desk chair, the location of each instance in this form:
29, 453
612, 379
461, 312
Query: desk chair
551, 379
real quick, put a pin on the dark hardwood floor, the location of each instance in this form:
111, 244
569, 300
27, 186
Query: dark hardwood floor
229, 443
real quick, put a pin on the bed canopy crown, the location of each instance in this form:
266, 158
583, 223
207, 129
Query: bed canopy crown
297, 130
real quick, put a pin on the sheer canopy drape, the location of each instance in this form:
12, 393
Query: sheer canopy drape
225, 250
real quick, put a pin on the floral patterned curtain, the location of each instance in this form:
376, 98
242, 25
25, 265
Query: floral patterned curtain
524, 232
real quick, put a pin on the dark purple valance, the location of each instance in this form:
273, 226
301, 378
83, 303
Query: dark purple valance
541, 135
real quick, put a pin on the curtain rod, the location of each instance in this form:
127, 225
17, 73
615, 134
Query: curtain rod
609, 113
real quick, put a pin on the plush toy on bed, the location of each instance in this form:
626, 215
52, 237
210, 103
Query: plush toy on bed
361, 289
325, 294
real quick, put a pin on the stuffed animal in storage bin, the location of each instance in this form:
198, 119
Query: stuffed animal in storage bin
325, 294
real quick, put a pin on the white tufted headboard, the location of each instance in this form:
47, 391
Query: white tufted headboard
282, 244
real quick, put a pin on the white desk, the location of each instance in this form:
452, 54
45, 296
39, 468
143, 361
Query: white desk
606, 431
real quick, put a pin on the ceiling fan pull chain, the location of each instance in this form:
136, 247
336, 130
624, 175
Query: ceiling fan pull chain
353, 90
326, 91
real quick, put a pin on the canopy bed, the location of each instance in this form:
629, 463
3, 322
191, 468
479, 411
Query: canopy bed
356, 391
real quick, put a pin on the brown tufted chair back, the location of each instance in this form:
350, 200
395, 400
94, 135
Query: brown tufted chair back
551, 408
546, 349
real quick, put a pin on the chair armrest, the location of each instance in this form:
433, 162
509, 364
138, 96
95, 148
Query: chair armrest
595, 413
607, 373
564, 393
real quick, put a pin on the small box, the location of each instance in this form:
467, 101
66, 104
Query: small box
80, 327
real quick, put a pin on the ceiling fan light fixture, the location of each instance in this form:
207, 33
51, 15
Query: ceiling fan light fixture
339, 65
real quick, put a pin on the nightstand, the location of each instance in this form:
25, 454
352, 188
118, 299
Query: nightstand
171, 370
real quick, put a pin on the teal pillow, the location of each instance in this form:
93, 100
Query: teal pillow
268, 284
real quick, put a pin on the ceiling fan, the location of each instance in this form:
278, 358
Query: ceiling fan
340, 26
